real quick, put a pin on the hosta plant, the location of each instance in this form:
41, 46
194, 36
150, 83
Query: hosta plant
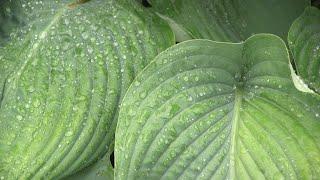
304, 42
62, 78
212, 110
80, 77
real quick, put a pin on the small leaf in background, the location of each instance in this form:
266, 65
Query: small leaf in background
11, 18
304, 42
62, 79
225, 20
102, 170
213, 110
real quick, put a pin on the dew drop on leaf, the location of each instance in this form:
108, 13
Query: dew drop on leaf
69, 133
19, 117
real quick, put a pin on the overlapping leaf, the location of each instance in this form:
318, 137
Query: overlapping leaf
210, 110
226, 20
62, 80
304, 42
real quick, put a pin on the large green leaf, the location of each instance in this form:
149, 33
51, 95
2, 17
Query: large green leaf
211, 110
229, 20
62, 80
304, 42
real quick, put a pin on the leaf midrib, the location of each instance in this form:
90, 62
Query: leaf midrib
234, 131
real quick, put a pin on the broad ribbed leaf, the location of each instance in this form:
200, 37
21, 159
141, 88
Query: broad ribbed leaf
304, 42
63, 79
210, 110
228, 20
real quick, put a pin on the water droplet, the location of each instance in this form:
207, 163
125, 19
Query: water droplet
19, 117
143, 95
69, 133
90, 50
36, 103
137, 83
66, 22
31, 89
85, 35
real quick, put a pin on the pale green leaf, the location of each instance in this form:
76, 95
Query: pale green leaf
212, 110
226, 20
304, 42
62, 79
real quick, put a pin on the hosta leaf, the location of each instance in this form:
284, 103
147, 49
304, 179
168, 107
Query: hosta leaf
62, 81
212, 110
226, 20
304, 42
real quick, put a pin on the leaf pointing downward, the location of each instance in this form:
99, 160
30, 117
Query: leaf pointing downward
211, 110
304, 42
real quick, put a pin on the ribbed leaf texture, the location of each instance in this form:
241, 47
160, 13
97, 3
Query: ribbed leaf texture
229, 20
212, 110
62, 77
304, 42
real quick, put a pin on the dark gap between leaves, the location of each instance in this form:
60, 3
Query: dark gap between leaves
146, 3
77, 3
112, 159
3, 91
315, 3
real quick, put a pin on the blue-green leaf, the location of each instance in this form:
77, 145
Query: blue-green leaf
229, 20
62, 77
304, 42
212, 110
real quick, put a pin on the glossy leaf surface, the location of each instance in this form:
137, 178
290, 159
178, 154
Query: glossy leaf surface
212, 110
304, 42
62, 80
